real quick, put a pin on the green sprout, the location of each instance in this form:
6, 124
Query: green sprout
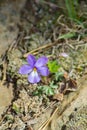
48, 90
53, 66
16, 108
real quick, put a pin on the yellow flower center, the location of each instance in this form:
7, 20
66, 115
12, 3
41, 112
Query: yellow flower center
35, 69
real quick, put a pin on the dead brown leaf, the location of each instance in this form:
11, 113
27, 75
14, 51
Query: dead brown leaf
58, 96
72, 84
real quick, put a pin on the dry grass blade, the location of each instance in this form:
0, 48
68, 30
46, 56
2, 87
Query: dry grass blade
46, 123
43, 47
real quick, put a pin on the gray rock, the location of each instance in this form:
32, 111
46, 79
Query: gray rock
9, 18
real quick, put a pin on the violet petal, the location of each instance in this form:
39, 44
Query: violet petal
31, 60
64, 54
34, 77
43, 71
25, 69
41, 61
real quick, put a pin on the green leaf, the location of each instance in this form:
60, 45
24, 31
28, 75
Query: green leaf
53, 66
71, 9
59, 76
39, 91
52, 85
49, 91
67, 35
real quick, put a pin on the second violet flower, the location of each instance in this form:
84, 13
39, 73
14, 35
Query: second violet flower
35, 68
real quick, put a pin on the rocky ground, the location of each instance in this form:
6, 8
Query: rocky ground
30, 27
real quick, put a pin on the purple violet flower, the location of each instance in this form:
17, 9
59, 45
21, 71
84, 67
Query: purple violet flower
35, 68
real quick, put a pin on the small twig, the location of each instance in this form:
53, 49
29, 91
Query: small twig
59, 22
50, 4
70, 46
42, 47
4, 73
16, 41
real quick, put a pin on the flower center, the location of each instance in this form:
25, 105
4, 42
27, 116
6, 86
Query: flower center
35, 69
